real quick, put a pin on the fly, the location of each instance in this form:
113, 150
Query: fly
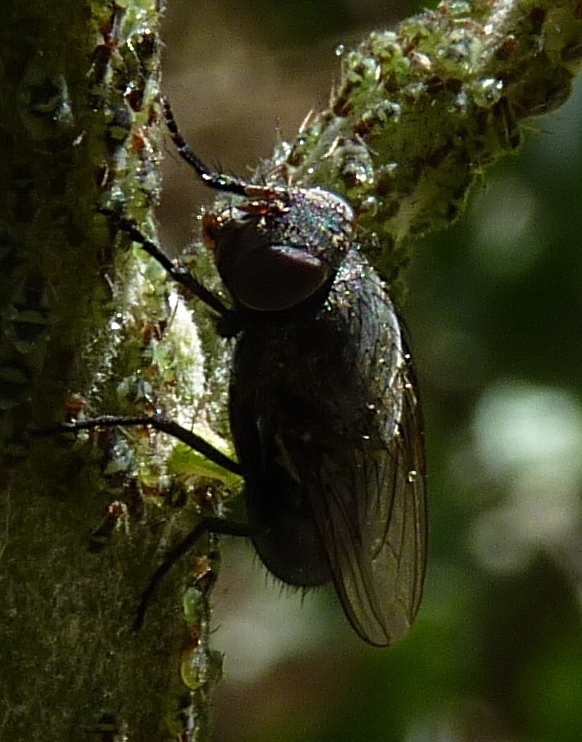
323, 405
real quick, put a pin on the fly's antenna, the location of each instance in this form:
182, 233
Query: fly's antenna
212, 178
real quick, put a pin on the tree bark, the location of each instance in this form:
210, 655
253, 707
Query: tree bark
85, 330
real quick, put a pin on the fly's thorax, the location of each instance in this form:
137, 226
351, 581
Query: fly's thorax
374, 361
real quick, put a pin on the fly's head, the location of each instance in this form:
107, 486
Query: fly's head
279, 246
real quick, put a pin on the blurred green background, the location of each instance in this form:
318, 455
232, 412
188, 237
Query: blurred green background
494, 309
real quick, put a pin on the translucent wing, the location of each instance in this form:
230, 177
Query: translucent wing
370, 510
363, 465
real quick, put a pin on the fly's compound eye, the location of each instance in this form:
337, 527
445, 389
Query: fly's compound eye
271, 278
274, 254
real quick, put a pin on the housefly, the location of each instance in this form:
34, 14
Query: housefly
324, 411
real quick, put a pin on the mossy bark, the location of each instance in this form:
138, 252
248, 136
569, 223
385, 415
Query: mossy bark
83, 331
420, 110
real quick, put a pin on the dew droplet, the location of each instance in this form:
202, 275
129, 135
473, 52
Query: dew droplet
488, 92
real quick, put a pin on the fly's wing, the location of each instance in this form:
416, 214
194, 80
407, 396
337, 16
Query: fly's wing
370, 510
366, 483
379, 569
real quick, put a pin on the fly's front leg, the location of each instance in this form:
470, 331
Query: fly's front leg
176, 269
